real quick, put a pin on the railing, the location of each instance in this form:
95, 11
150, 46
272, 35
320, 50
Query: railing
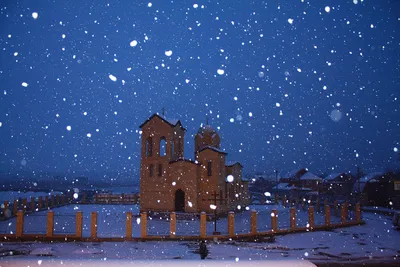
142, 223
116, 198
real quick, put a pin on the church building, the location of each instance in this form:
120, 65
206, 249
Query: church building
169, 182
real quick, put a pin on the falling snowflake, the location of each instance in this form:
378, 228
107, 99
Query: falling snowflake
35, 15
133, 43
168, 53
290, 21
220, 71
112, 78
327, 9
230, 178
24, 84
68, 128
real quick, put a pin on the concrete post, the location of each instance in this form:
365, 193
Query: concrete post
129, 225
292, 218
79, 223
6, 204
231, 224
203, 224
311, 221
24, 204
143, 224
358, 212
40, 203
172, 224
15, 207
20, 223
253, 222
274, 220
50, 223
327, 215
342, 213
93, 226
32, 206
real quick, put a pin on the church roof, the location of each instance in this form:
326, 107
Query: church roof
214, 149
172, 123
231, 163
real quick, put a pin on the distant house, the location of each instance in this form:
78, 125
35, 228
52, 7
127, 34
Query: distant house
378, 189
293, 176
339, 184
310, 181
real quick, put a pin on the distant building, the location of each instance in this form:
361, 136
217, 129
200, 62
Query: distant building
338, 184
378, 189
169, 182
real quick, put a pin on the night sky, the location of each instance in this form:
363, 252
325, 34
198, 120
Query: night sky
288, 84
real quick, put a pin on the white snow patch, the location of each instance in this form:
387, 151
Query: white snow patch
88, 251
45, 251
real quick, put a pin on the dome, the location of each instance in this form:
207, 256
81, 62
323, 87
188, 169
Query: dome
207, 129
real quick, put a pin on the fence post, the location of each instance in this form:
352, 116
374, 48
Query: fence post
358, 212
327, 215
342, 213
78, 223
203, 224
15, 207
93, 227
292, 218
274, 220
129, 225
254, 222
143, 224
50, 223
311, 217
20, 223
6, 204
52, 201
172, 225
46, 202
231, 224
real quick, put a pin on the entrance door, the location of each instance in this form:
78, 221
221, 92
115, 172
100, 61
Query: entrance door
179, 200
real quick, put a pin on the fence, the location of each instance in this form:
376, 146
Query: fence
82, 232
9, 210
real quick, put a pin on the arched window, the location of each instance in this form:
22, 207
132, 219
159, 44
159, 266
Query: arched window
172, 149
149, 147
163, 147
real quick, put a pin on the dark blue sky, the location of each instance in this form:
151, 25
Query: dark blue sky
306, 83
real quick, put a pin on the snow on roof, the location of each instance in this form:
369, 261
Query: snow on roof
231, 163
214, 149
281, 186
333, 176
310, 176
364, 180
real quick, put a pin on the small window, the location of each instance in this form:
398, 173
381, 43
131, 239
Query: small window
163, 147
159, 169
149, 147
151, 170
209, 168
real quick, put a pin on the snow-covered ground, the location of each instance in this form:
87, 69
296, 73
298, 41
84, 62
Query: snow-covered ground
376, 241
373, 242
